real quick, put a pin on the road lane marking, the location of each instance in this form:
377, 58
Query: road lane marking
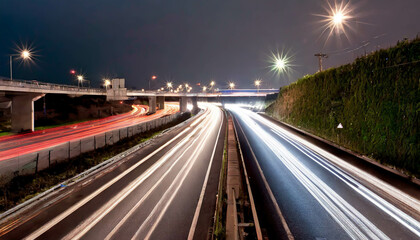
151, 226
269, 191
69, 211
352, 221
381, 203
203, 190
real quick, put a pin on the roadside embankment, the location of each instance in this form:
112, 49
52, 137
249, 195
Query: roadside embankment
375, 99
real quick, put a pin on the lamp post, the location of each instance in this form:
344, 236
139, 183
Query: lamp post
79, 80
107, 82
231, 85
257, 83
154, 77
24, 54
169, 86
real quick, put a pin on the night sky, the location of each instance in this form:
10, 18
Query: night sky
190, 41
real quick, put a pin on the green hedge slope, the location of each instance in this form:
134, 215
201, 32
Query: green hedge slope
376, 98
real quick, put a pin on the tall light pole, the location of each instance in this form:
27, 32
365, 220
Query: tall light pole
320, 57
79, 80
212, 83
231, 85
169, 86
24, 54
152, 78
107, 82
257, 83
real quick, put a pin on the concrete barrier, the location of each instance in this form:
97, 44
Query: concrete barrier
59, 153
38, 161
27, 163
43, 160
9, 168
130, 131
123, 133
87, 144
100, 140
116, 135
109, 138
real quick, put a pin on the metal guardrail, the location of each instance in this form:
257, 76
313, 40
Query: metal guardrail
47, 86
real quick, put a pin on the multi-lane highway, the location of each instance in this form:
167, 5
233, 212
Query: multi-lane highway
15, 145
303, 194
167, 190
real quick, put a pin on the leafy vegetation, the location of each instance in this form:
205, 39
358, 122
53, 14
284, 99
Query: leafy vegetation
376, 98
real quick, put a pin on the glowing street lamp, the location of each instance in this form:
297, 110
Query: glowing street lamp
154, 77
231, 85
80, 80
24, 54
107, 82
204, 89
257, 83
169, 85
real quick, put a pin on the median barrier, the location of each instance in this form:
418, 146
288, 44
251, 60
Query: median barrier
123, 133
59, 153
43, 160
9, 168
87, 144
27, 164
130, 131
38, 161
75, 148
143, 127
109, 138
116, 135
100, 141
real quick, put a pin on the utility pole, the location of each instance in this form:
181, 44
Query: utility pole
320, 56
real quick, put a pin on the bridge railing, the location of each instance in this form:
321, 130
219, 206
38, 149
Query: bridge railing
47, 86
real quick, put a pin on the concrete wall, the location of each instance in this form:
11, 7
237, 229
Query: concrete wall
38, 161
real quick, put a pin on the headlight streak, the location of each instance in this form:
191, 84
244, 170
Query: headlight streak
69, 211
385, 206
352, 221
172, 190
302, 173
81, 230
403, 218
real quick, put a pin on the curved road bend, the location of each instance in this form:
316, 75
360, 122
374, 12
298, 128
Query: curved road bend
302, 191
167, 190
20, 144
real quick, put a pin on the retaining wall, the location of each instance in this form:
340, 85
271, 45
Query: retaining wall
37, 161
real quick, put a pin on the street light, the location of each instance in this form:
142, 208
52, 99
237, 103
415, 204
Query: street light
79, 80
107, 82
169, 85
154, 77
25, 54
204, 89
257, 83
231, 85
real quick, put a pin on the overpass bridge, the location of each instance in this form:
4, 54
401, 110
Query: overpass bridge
20, 96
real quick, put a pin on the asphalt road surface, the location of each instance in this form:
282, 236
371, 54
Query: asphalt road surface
20, 144
303, 192
167, 190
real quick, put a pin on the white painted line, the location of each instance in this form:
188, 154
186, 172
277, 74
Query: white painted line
203, 189
69, 211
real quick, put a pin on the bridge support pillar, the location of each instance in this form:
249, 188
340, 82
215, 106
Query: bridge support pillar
152, 104
160, 102
194, 101
23, 111
183, 104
